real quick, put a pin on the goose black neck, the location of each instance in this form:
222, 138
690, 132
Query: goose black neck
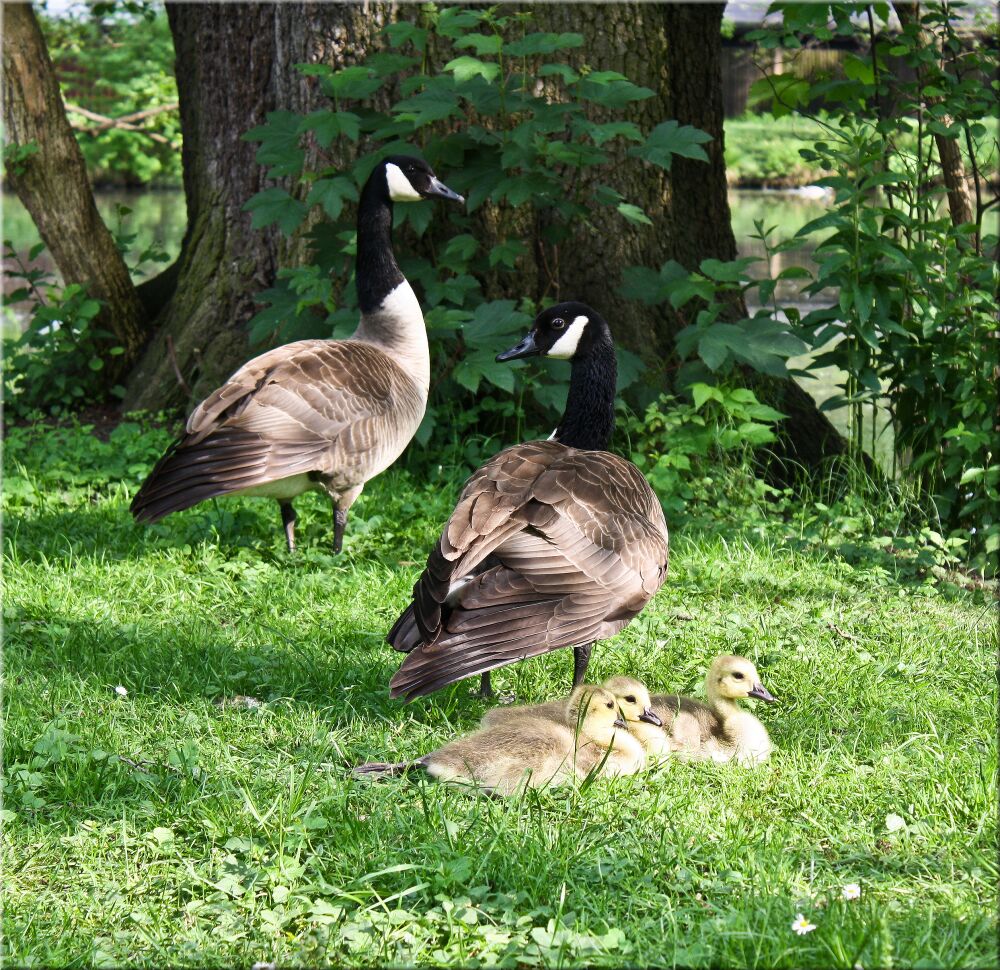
589, 418
376, 273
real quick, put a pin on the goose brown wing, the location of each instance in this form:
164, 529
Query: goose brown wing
279, 415
572, 556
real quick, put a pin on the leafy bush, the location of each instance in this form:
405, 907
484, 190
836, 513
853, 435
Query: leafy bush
699, 453
56, 363
915, 311
523, 135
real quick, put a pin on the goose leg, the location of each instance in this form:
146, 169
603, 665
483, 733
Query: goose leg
485, 687
339, 521
288, 521
581, 658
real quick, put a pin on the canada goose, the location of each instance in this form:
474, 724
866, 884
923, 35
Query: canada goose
316, 414
536, 751
719, 730
552, 544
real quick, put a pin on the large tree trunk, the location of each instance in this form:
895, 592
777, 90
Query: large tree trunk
52, 184
675, 49
234, 64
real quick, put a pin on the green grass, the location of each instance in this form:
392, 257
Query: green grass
161, 828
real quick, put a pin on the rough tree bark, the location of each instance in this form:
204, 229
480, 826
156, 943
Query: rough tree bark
52, 184
675, 49
234, 64
956, 181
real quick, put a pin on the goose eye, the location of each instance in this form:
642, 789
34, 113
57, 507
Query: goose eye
737, 675
609, 706
558, 323
630, 699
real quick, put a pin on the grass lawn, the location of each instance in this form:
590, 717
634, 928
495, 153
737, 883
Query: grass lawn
166, 827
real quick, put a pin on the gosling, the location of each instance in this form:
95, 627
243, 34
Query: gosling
536, 751
719, 730
634, 705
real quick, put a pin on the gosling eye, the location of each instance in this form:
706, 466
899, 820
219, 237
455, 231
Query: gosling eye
558, 323
630, 699
737, 675
609, 706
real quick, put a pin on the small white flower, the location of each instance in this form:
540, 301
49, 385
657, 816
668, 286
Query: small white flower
121, 691
894, 823
802, 926
851, 891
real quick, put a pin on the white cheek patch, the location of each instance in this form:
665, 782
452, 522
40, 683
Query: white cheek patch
400, 189
566, 345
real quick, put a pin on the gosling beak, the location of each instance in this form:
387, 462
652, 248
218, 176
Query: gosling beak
438, 189
620, 722
763, 694
650, 718
526, 348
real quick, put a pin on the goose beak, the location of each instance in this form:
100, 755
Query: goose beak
439, 190
763, 694
620, 722
650, 718
526, 348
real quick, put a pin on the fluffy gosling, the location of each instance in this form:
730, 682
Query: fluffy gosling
536, 751
719, 730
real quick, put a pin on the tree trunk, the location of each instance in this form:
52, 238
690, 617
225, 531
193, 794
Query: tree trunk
52, 184
956, 182
234, 64
676, 50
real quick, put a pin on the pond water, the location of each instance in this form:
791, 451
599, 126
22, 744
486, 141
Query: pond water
158, 219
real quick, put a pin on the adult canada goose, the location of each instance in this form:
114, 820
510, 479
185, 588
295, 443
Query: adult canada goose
552, 544
720, 730
536, 751
316, 414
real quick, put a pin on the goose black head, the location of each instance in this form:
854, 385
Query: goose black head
409, 179
566, 331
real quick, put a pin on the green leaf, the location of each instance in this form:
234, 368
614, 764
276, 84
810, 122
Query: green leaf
402, 31
275, 205
543, 43
613, 129
331, 193
611, 92
713, 349
704, 392
727, 272
634, 214
859, 70
327, 125
466, 67
353, 83
559, 70
669, 139
481, 43
434, 104
507, 252
279, 143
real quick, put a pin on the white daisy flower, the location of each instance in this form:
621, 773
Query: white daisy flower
121, 691
801, 925
851, 891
